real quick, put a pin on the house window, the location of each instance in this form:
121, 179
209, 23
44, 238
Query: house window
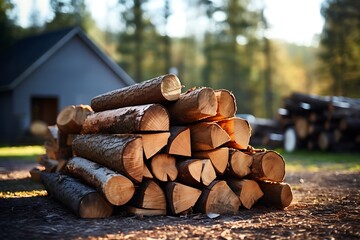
44, 109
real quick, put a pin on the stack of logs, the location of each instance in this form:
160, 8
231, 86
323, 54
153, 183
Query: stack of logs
155, 151
320, 122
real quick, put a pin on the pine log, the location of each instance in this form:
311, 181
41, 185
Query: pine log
117, 188
154, 142
207, 136
239, 163
163, 167
180, 197
151, 117
179, 141
145, 212
122, 153
83, 200
149, 195
268, 165
157, 90
277, 195
218, 157
49, 164
239, 131
196, 172
247, 190
194, 105
218, 198
226, 105
71, 118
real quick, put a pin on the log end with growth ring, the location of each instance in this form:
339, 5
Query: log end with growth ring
273, 166
205, 97
94, 205
171, 87
155, 118
119, 190
132, 159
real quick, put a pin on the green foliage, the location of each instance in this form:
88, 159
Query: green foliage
7, 25
340, 46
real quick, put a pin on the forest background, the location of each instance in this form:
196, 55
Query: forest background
227, 46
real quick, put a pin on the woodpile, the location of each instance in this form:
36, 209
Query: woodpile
320, 122
156, 151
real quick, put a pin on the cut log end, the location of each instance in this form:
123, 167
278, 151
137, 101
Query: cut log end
181, 197
204, 98
270, 160
116, 185
163, 167
239, 163
155, 118
218, 157
208, 173
171, 87
226, 105
277, 195
133, 160
239, 131
94, 205
179, 141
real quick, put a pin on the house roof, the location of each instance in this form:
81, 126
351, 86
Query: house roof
28, 54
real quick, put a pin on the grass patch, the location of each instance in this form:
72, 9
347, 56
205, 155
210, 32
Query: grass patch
319, 161
21, 152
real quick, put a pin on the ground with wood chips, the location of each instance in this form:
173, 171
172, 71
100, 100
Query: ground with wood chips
325, 206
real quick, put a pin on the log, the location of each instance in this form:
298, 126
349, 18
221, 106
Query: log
301, 127
52, 135
207, 136
145, 212
71, 118
179, 141
147, 173
83, 200
226, 105
218, 157
122, 153
180, 197
154, 142
277, 195
35, 174
194, 105
157, 90
326, 140
151, 117
268, 165
149, 195
247, 190
239, 131
196, 172
117, 188
49, 164
218, 198
239, 163
163, 167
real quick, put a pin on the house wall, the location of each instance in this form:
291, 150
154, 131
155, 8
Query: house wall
74, 74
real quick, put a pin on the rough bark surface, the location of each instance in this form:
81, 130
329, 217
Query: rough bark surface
122, 153
117, 188
157, 90
81, 199
151, 117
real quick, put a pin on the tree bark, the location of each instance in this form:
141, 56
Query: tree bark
149, 195
192, 106
239, 131
83, 200
218, 157
71, 118
157, 90
117, 188
207, 136
151, 117
179, 141
163, 167
180, 197
247, 190
277, 195
123, 153
218, 198
226, 107
268, 165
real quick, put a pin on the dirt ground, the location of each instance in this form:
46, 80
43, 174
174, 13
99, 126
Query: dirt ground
325, 206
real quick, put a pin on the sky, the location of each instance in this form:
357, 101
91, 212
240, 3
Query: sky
295, 21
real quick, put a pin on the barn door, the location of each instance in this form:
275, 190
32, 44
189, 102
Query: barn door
44, 109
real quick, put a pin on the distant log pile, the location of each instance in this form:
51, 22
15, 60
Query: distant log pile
318, 122
155, 151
